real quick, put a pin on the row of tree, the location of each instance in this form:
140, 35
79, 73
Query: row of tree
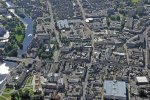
17, 31
25, 95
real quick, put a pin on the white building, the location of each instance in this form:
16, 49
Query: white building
115, 90
141, 80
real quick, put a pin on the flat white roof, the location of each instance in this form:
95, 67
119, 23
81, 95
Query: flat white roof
17, 77
87, 20
142, 79
119, 53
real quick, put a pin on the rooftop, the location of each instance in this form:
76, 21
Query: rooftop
2, 31
62, 24
117, 88
141, 79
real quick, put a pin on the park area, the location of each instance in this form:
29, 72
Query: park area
6, 95
134, 1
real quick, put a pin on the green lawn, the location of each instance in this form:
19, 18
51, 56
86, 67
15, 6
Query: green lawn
28, 85
19, 37
7, 90
2, 98
30, 90
134, 1
29, 80
6, 95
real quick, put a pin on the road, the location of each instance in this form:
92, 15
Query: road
82, 10
85, 84
126, 48
147, 59
92, 35
56, 53
83, 15
127, 53
53, 22
147, 48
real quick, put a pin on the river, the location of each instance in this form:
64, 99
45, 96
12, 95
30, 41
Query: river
28, 23
28, 36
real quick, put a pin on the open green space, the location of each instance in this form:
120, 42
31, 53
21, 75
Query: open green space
19, 37
6, 95
7, 90
29, 80
2, 98
30, 89
28, 85
17, 30
27, 92
44, 55
134, 1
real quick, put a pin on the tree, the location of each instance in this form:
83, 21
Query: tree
19, 29
38, 97
113, 18
29, 65
14, 96
118, 17
26, 94
99, 55
8, 47
122, 23
142, 93
1, 52
20, 92
21, 46
108, 21
13, 53
56, 46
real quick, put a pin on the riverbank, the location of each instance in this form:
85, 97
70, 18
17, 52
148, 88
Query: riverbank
28, 23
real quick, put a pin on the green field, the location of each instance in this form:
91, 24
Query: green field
29, 80
7, 90
134, 1
19, 37
28, 88
2, 98
6, 95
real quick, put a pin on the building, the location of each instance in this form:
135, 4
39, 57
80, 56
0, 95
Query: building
140, 10
136, 41
115, 90
65, 49
63, 24
87, 20
129, 23
52, 82
4, 37
131, 12
3, 10
53, 77
21, 79
141, 80
111, 11
2, 31
36, 83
